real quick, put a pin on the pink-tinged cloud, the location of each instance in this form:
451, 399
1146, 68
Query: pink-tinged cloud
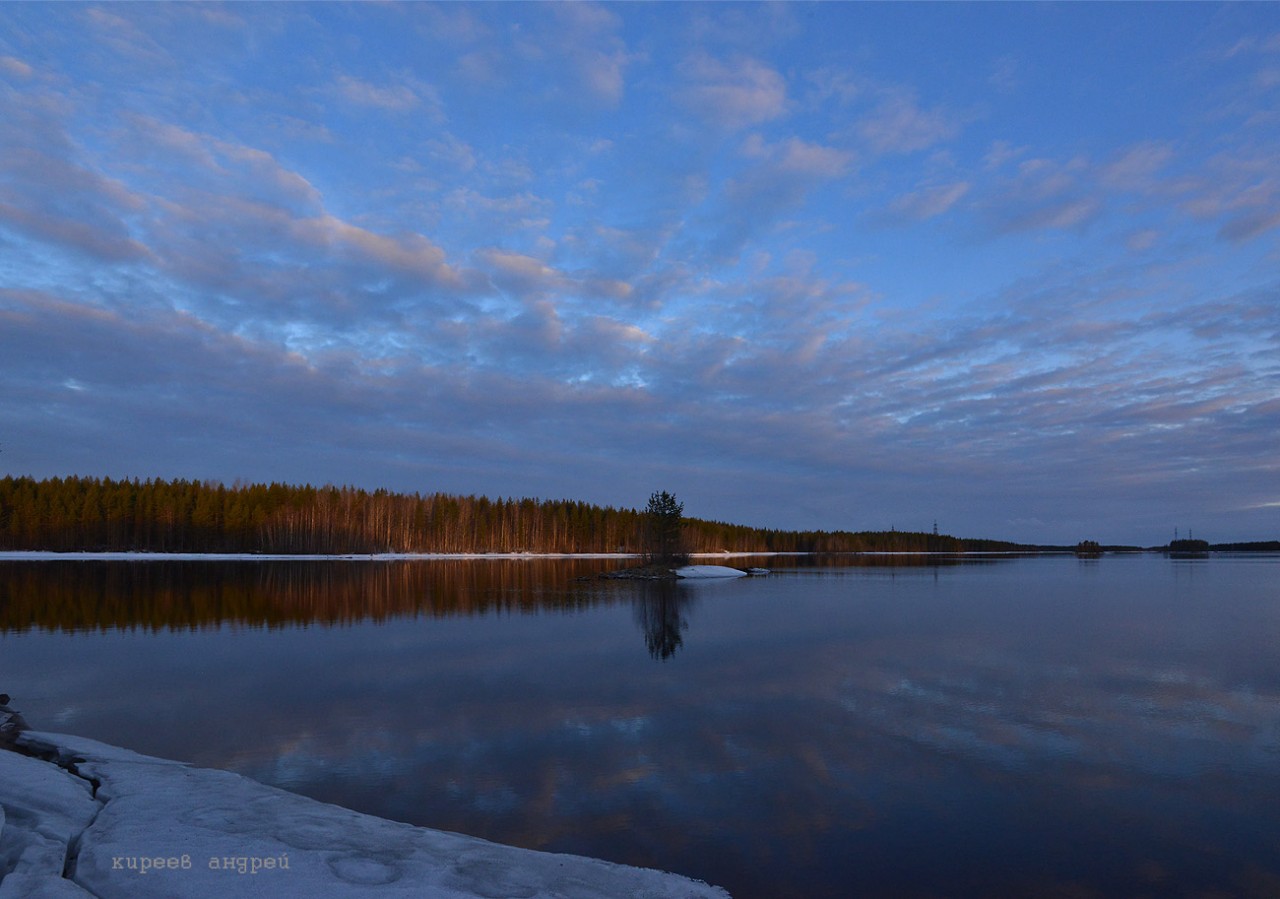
1135, 169
734, 93
587, 37
1241, 192
525, 271
15, 68
389, 97
899, 125
411, 254
228, 165
928, 202
1045, 194
103, 240
128, 40
794, 156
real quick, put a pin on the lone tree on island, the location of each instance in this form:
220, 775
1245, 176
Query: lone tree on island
663, 537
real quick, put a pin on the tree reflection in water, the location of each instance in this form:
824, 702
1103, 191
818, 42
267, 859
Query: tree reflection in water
660, 611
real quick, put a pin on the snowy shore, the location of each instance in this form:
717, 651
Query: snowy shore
79, 819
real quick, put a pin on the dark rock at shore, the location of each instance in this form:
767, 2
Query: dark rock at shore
11, 723
642, 573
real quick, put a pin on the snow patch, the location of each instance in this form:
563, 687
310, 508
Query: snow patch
101, 821
706, 571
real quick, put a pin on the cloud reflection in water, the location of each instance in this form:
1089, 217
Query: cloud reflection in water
1031, 727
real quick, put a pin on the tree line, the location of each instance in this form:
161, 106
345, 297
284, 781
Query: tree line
101, 514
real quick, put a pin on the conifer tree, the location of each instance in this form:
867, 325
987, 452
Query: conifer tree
664, 540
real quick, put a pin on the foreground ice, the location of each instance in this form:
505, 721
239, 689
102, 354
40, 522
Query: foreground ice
700, 571
85, 819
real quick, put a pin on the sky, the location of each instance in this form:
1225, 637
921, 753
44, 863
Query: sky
1010, 268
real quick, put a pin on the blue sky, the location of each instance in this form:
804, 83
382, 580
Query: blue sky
1011, 267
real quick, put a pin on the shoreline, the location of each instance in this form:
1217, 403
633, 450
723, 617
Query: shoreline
129, 556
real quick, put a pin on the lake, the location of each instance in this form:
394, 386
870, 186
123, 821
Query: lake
847, 726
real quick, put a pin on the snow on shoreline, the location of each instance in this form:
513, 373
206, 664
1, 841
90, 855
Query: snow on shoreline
85, 820
708, 572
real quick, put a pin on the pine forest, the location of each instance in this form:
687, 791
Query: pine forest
104, 515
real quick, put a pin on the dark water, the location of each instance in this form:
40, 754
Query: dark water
1032, 727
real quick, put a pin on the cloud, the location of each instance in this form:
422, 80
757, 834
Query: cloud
779, 178
928, 202
526, 271
1255, 44
1136, 167
794, 156
51, 193
1006, 74
453, 23
833, 87
397, 97
655, 253
557, 55
411, 254
532, 279
733, 93
224, 165
1141, 240
124, 37
587, 37
16, 68
453, 152
1000, 153
523, 209
1044, 194
1239, 190
102, 239
899, 125
1250, 223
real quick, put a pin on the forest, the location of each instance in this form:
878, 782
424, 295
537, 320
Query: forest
89, 514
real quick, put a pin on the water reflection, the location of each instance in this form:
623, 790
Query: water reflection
193, 595
184, 595
660, 610
1032, 727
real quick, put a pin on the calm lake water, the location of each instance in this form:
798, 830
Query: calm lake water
1021, 726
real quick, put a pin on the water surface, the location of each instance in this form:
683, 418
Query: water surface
1034, 726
